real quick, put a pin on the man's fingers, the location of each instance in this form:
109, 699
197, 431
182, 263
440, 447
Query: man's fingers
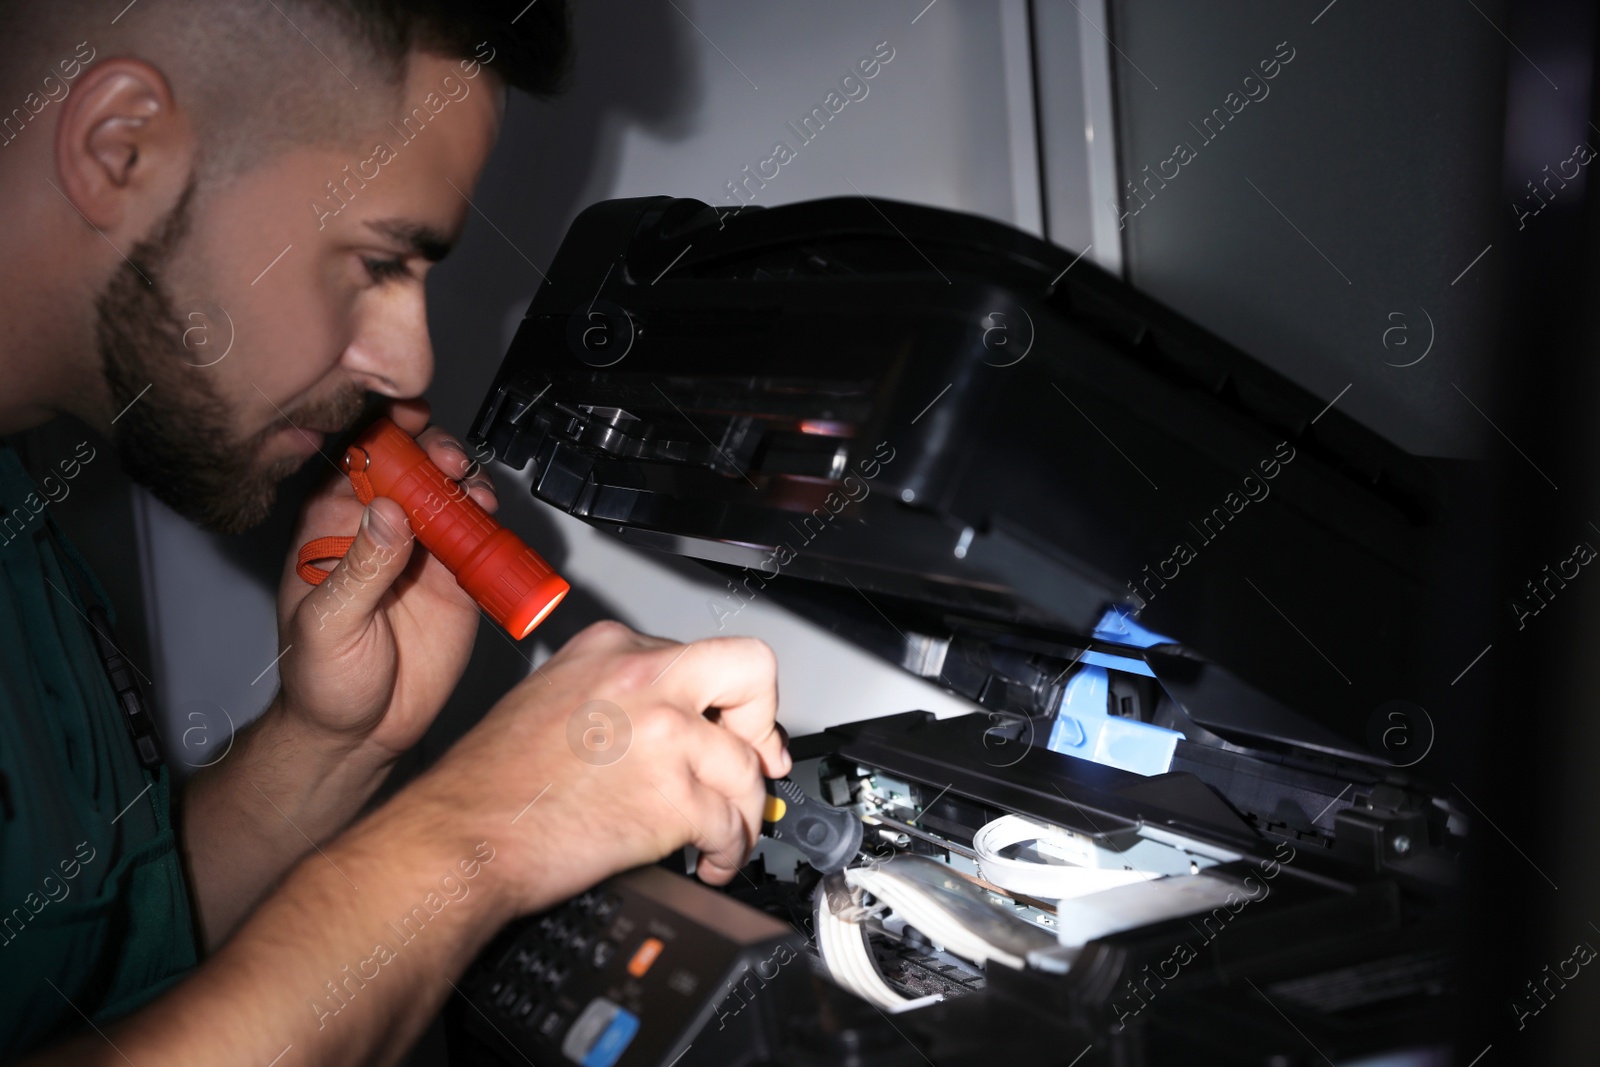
739, 676
609, 637
410, 415
450, 456
347, 598
719, 831
724, 763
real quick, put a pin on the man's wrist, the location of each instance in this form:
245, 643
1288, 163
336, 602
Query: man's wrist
462, 857
319, 780
278, 792
328, 749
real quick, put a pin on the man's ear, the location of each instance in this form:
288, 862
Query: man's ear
124, 151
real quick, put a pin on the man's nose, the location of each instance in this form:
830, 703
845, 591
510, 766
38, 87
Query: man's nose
390, 353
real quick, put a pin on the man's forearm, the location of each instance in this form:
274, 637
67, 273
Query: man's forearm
280, 790
346, 963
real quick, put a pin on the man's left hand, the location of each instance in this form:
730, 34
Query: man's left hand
371, 654
369, 657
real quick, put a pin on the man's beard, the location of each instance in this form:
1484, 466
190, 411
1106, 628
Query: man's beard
175, 433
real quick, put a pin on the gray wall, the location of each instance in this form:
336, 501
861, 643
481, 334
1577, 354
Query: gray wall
1358, 188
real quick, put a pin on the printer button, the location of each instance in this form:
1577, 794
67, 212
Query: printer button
607, 909
551, 1023
525, 1010
601, 1034
555, 976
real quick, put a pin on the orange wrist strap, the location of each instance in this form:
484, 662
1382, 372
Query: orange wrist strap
321, 548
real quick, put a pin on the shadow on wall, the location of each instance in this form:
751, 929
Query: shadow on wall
634, 68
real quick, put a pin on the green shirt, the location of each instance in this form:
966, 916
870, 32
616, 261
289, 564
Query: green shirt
94, 911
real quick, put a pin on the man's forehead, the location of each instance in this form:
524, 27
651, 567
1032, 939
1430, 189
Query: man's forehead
405, 178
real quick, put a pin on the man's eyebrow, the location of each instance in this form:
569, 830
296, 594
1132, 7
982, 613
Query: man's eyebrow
421, 239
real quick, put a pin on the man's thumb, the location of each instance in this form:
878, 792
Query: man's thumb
352, 590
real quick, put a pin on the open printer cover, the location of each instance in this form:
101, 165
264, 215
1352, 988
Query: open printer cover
1188, 599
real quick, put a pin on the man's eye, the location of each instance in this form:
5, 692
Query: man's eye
383, 270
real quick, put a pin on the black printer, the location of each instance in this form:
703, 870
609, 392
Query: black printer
1190, 599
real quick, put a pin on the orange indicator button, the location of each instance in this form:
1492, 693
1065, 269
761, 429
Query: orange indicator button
644, 957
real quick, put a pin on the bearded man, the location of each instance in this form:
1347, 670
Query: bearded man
294, 166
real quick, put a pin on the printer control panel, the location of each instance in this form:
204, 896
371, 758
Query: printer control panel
623, 975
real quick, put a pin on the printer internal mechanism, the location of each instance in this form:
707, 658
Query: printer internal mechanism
1190, 815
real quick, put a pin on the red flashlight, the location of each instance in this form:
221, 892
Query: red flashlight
509, 580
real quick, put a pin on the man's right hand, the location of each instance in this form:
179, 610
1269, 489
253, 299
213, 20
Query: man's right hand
617, 751
354, 952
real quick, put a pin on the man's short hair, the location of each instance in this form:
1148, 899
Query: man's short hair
532, 41
262, 76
